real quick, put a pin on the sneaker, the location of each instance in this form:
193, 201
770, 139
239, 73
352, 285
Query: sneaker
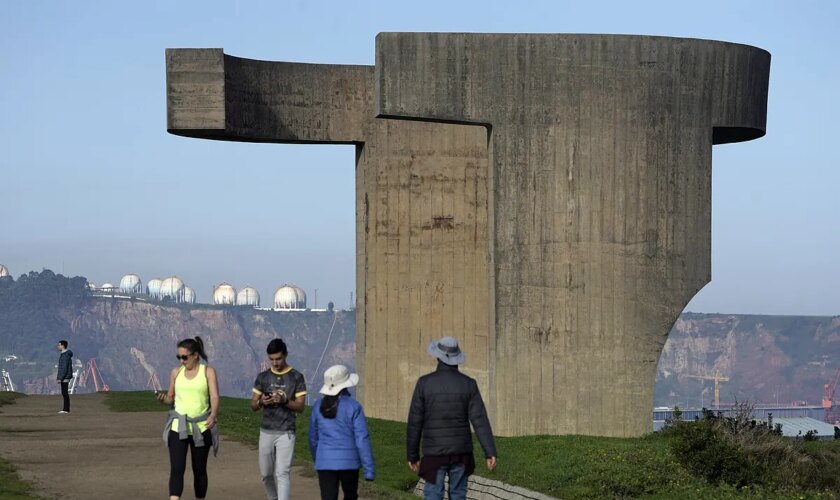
62, 411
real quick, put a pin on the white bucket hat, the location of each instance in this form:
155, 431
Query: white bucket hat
336, 378
447, 350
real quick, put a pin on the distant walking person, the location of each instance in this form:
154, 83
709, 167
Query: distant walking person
194, 390
279, 392
338, 436
65, 373
444, 404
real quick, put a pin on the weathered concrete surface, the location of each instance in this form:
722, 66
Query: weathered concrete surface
558, 237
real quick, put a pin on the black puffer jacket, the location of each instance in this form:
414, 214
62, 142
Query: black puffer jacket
65, 366
444, 404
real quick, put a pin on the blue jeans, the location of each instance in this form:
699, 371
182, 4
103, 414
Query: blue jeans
457, 483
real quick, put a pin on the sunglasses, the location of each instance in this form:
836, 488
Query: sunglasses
184, 357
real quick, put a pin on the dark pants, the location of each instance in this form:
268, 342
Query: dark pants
66, 394
328, 480
178, 463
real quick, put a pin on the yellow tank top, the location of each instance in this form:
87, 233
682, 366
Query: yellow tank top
192, 397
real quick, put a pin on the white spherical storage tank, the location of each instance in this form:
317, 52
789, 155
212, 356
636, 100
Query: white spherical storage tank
130, 283
224, 294
4, 271
248, 296
289, 297
173, 289
153, 288
189, 295
106, 286
91, 285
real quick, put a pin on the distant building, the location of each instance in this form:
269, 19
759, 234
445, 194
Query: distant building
289, 296
153, 288
224, 294
248, 296
172, 288
798, 427
130, 283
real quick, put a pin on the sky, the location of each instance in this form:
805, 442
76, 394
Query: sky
91, 183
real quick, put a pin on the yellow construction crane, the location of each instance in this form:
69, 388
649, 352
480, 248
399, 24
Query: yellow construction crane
718, 378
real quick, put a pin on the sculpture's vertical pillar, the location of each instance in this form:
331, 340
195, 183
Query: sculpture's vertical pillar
423, 268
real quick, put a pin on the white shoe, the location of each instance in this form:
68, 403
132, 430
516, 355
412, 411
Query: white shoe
62, 411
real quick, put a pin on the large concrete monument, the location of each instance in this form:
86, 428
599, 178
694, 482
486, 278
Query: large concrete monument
543, 198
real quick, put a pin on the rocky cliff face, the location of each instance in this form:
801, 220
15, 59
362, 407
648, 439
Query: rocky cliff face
134, 341
766, 359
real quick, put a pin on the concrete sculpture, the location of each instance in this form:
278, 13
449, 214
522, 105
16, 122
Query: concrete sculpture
543, 198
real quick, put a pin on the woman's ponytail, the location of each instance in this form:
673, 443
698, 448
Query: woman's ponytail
200, 348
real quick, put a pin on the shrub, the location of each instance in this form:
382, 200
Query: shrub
741, 452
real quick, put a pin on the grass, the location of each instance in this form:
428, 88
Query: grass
561, 466
8, 398
12, 487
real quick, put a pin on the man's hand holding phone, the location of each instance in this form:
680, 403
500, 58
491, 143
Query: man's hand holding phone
279, 398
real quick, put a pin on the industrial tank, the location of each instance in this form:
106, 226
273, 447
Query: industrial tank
289, 296
173, 289
224, 294
189, 295
153, 288
248, 296
130, 283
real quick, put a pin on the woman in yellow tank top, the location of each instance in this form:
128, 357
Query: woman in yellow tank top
194, 392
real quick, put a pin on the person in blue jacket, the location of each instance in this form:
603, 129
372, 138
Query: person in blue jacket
338, 436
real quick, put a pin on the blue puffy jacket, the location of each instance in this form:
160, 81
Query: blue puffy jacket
343, 442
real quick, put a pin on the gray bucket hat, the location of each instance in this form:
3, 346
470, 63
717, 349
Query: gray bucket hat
447, 350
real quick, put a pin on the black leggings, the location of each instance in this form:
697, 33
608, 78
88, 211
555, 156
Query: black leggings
65, 393
328, 481
178, 463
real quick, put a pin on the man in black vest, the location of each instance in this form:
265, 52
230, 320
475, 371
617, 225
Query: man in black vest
444, 404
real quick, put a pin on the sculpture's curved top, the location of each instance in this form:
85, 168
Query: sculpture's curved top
493, 79
487, 78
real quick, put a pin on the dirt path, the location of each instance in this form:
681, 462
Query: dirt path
95, 453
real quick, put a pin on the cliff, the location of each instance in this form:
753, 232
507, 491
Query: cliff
131, 340
766, 359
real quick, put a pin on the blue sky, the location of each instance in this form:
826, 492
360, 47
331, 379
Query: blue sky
91, 182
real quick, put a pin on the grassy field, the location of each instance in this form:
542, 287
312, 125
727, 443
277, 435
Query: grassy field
11, 486
560, 466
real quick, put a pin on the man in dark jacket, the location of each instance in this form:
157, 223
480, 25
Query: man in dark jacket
444, 404
65, 373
